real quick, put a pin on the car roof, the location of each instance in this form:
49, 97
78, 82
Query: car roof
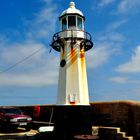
8, 107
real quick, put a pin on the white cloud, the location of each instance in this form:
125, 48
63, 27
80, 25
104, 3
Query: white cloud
42, 68
43, 24
13, 52
120, 80
110, 33
125, 80
129, 6
47, 1
108, 44
115, 25
112, 37
133, 65
105, 3
39, 70
29, 79
98, 56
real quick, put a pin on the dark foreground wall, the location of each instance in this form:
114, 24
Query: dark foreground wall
125, 114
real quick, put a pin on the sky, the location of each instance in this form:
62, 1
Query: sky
29, 73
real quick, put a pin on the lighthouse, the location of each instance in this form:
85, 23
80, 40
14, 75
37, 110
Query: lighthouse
72, 42
72, 111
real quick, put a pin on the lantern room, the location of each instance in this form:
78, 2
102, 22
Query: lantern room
72, 22
71, 19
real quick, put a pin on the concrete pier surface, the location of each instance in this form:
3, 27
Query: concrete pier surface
19, 134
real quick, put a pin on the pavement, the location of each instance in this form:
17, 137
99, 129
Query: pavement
21, 133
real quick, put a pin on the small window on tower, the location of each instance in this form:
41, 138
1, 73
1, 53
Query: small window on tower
79, 23
71, 22
64, 24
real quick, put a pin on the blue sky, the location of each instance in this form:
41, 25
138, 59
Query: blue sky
113, 65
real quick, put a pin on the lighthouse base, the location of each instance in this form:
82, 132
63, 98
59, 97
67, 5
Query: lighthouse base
70, 121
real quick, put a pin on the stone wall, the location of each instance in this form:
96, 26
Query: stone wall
123, 114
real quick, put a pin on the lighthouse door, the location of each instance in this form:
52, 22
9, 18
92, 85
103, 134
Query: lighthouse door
72, 99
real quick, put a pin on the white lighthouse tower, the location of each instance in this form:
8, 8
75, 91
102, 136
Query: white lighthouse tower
72, 42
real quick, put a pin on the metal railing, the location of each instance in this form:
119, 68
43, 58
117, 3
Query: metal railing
58, 35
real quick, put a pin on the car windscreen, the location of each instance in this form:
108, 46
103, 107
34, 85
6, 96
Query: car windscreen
13, 111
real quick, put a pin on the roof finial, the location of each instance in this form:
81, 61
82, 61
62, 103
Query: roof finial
72, 4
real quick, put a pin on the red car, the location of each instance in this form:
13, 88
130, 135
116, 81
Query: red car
13, 117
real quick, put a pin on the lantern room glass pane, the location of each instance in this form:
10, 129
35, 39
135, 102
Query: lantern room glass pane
71, 22
64, 24
79, 23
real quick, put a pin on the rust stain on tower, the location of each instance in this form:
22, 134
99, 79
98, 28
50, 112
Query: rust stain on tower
73, 55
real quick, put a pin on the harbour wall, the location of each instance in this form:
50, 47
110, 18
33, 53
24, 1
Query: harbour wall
123, 114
